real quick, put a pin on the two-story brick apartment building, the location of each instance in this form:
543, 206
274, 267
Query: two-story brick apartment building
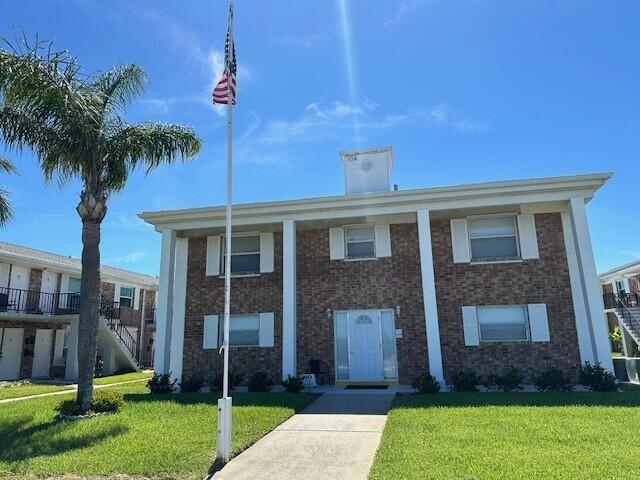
382, 285
39, 301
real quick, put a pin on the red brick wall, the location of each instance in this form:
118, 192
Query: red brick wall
607, 288
368, 284
108, 291
205, 296
532, 281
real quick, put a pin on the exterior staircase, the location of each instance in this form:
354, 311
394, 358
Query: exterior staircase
627, 309
115, 334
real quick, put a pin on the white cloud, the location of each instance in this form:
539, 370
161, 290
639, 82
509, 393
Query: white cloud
320, 121
406, 8
209, 61
132, 257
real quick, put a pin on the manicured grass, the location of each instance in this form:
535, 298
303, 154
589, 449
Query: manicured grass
511, 436
165, 436
123, 377
17, 390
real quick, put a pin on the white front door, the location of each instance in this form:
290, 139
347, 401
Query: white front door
11, 348
48, 288
365, 346
42, 353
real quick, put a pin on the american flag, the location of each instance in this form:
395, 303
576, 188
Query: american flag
227, 81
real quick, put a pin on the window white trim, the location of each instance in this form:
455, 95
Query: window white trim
373, 241
515, 235
223, 245
265, 330
131, 297
525, 316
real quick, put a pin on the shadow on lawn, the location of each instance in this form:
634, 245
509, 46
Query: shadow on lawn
22, 441
291, 400
538, 399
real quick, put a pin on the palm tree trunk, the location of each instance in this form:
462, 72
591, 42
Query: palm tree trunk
89, 295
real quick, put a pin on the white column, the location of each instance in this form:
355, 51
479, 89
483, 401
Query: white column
429, 295
179, 304
590, 283
71, 366
165, 302
288, 298
583, 328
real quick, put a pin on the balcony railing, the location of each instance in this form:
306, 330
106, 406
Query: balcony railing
616, 300
14, 300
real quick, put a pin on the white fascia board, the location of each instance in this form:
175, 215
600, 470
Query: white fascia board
328, 212
628, 269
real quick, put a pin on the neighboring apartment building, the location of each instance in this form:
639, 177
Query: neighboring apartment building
39, 300
621, 291
383, 285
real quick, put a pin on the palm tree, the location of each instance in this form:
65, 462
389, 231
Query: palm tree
74, 124
5, 208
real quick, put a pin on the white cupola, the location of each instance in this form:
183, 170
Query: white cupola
367, 171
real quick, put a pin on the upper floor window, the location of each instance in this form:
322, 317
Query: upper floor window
244, 331
74, 285
360, 241
245, 254
503, 323
126, 297
493, 238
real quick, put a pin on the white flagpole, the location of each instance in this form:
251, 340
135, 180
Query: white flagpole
224, 404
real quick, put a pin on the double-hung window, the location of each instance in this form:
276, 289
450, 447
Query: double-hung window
126, 297
493, 238
503, 323
73, 296
244, 330
360, 241
245, 254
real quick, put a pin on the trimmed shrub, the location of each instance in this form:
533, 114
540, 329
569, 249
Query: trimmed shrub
103, 401
426, 384
191, 384
293, 384
510, 380
161, 383
596, 378
68, 407
552, 380
260, 382
465, 380
235, 379
106, 401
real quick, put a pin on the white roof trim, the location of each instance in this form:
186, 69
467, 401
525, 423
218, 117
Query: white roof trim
378, 203
34, 258
631, 268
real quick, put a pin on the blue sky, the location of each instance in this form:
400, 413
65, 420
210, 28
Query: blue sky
464, 91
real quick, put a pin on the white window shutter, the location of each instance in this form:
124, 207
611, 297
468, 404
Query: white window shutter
266, 330
528, 237
336, 243
470, 325
266, 252
538, 322
4, 275
136, 298
460, 241
213, 255
383, 241
116, 293
210, 332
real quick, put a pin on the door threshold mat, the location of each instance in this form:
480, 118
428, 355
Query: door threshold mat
366, 387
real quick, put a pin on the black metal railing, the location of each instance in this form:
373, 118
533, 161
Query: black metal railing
15, 300
125, 336
616, 300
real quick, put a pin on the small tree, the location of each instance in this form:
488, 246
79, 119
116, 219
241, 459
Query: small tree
74, 123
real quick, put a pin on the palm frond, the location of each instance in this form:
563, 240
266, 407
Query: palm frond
6, 166
149, 145
118, 87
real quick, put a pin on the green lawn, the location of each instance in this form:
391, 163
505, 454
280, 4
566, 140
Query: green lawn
123, 377
160, 436
511, 436
17, 389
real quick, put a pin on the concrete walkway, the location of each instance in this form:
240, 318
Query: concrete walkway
334, 437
